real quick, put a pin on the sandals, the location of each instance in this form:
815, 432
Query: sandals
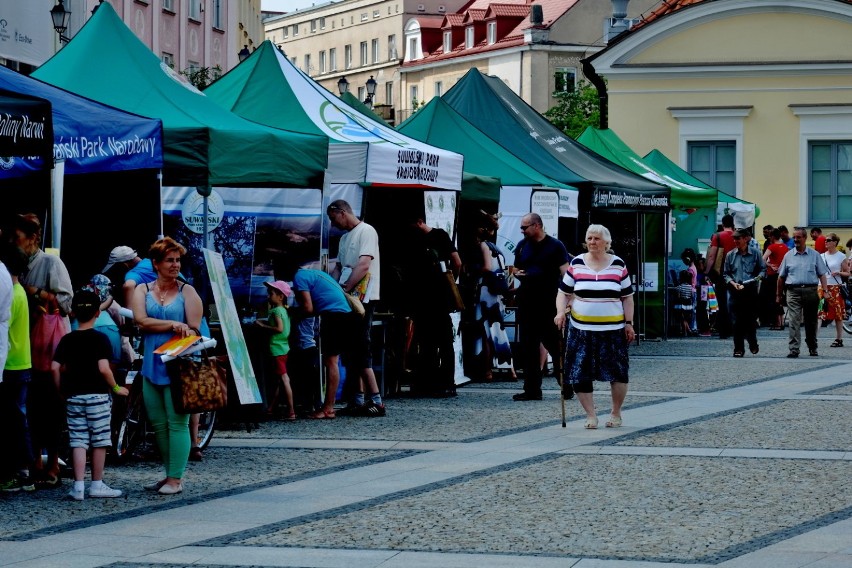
613, 422
591, 423
48, 482
837, 343
291, 418
323, 415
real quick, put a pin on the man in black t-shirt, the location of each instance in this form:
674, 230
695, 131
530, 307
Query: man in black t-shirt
540, 263
432, 255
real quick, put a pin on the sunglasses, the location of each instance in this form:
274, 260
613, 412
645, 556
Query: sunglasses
525, 227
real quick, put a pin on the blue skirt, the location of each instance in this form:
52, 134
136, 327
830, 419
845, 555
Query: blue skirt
596, 356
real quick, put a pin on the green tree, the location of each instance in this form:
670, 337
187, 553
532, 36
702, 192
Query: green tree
575, 110
201, 77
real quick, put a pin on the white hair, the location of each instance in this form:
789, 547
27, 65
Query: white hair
602, 232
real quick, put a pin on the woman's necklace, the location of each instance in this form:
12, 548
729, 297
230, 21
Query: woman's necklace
162, 292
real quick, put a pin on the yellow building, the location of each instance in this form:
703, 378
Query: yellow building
753, 97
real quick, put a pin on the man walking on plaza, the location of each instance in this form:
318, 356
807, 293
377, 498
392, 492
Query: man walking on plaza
357, 271
721, 244
540, 263
801, 270
743, 269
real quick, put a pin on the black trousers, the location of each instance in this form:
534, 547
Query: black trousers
744, 306
436, 357
536, 327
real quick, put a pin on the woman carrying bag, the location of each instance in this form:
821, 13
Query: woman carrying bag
835, 302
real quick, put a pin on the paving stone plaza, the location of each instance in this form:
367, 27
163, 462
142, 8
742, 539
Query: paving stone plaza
721, 462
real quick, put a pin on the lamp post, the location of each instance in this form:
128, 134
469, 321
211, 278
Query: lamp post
60, 17
342, 86
371, 91
244, 53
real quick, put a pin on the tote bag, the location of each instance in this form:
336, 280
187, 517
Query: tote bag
49, 328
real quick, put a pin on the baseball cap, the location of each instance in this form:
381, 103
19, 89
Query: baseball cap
100, 285
279, 285
119, 254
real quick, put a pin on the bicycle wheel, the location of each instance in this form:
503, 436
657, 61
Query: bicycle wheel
206, 425
131, 432
847, 326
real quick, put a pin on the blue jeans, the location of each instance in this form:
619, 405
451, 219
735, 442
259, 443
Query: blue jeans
13, 409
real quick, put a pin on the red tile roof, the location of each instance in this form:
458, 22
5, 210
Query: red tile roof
508, 11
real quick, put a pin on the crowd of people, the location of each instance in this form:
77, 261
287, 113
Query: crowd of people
785, 282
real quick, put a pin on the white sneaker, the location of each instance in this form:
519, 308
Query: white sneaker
77, 494
104, 491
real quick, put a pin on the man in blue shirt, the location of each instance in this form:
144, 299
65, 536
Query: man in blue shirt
800, 272
742, 270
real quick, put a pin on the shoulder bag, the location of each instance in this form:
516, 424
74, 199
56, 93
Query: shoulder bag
47, 330
355, 304
199, 384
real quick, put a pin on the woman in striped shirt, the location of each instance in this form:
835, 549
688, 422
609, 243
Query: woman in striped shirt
598, 291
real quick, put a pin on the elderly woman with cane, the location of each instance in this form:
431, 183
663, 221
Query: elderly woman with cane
598, 290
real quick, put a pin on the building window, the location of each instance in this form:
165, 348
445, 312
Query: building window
347, 57
169, 59
375, 48
363, 53
362, 93
412, 49
217, 14
286, 30
322, 62
830, 182
376, 13
715, 163
392, 54
332, 59
389, 93
468, 37
193, 67
293, 60
448, 42
322, 23
169, 5
195, 9
364, 16
307, 66
492, 33
565, 80
313, 26
439, 88
295, 30
412, 95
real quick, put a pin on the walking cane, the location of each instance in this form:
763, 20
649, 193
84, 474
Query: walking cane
560, 376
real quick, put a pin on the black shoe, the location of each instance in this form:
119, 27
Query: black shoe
522, 396
373, 410
813, 353
351, 410
567, 392
792, 355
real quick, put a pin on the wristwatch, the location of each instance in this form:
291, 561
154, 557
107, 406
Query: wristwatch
628, 323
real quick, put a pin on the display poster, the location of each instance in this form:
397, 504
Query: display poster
650, 281
244, 377
440, 207
546, 204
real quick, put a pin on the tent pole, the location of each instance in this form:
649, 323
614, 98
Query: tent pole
160, 183
57, 189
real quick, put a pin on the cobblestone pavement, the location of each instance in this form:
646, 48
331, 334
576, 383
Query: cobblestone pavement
721, 462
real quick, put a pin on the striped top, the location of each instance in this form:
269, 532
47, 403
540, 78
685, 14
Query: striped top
597, 295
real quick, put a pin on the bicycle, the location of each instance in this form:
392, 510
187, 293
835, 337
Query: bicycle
133, 436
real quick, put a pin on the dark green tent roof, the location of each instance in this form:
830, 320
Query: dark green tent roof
204, 144
607, 143
490, 105
438, 124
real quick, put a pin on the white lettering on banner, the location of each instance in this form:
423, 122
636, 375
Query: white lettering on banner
426, 172
92, 148
23, 127
9, 127
613, 199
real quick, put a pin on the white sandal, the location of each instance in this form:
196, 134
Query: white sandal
591, 423
613, 422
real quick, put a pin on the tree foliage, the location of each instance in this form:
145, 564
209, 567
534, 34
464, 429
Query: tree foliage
575, 110
201, 77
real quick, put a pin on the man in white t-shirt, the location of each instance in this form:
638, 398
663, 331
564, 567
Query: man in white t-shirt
358, 272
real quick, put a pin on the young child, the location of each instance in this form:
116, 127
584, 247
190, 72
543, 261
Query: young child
278, 324
82, 373
684, 303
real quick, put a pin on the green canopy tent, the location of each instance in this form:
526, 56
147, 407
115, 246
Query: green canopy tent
607, 190
204, 144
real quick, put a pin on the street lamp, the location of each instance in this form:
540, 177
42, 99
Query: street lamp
60, 17
244, 53
371, 90
342, 86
